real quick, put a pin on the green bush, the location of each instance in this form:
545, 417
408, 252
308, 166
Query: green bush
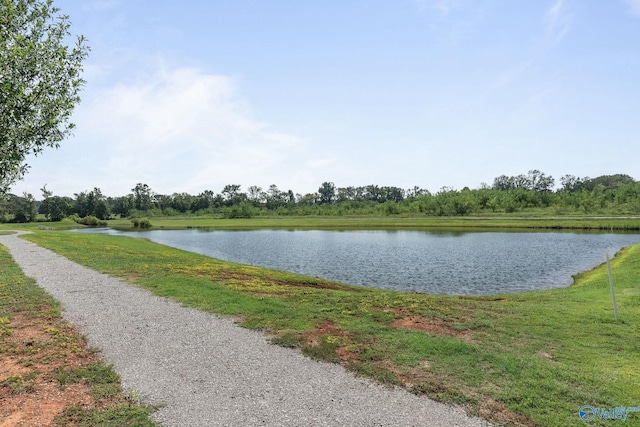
89, 220
141, 222
243, 210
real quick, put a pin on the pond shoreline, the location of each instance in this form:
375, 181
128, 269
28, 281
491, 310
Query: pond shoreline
456, 262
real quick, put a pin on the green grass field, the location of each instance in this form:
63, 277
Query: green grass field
531, 358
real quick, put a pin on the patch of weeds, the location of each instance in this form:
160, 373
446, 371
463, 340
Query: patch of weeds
19, 383
105, 391
288, 340
8, 347
94, 374
372, 353
134, 397
52, 313
436, 389
5, 331
123, 414
14, 383
51, 358
370, 370
324, 351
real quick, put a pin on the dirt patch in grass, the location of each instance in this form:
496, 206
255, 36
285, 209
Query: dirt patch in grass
328, 342
545, 355
33, 353
320, 284
421, 323
495, 411
348, 355
323, 329
316, 285
40, 406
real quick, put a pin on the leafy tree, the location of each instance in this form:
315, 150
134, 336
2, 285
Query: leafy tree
540, 182
327, 192
58, 208
142, 197
393, 193
101, 209
55, 208
84, 204
608, 181
163, 202
345, 194
416, 192
503, 183
40, 78
275, 197
255, 195
203, 201
91, 203
373, 193
181, 201
122, 205
25, 208
570, 183
232, 194
308, 199
290, 198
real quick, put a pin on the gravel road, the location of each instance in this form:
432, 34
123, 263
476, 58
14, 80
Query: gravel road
206, 370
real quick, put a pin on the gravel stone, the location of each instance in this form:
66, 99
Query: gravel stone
207, 371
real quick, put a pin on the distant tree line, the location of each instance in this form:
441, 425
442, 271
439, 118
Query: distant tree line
534, 192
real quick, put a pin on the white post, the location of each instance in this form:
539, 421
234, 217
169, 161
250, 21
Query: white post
613, 293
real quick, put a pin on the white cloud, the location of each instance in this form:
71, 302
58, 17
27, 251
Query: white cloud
183, 130
445, 6
558, 21
634, 7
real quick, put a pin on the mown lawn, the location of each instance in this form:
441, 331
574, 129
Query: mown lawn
531, 358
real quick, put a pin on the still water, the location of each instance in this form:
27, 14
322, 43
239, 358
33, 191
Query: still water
464, 263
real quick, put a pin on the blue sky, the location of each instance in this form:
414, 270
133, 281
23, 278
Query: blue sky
191, 96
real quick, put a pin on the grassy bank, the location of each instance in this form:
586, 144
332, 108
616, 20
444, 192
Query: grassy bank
47, 374
390, 222
532, 358
367, 223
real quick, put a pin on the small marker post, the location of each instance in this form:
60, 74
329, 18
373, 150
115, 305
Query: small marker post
613, 293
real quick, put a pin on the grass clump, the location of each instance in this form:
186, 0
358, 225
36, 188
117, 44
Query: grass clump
122, 414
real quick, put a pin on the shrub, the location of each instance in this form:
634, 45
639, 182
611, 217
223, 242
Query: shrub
243, 210
89, 220
141, 222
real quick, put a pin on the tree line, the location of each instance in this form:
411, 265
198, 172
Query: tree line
608, 194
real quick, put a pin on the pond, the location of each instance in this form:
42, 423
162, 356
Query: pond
460, 262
